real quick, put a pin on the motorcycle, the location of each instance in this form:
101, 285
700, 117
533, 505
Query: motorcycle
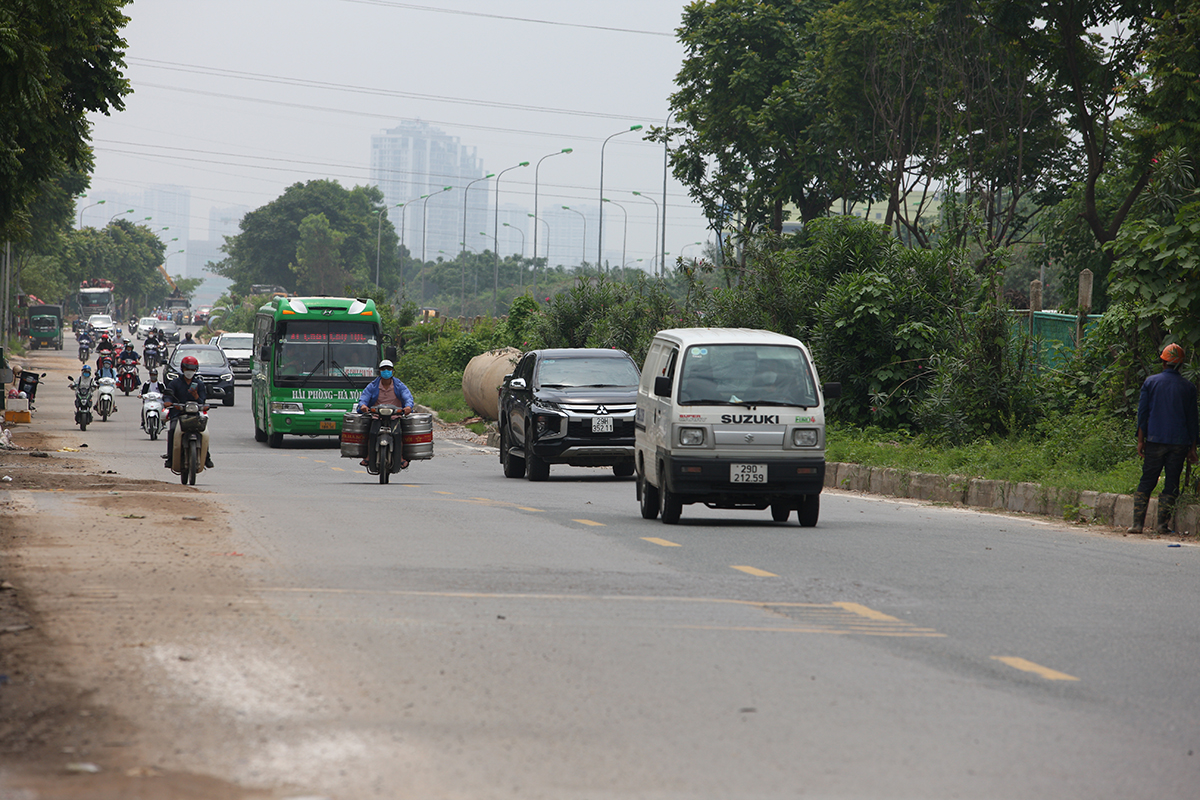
132, 325
106, 403
152, 414
85, 352
189, 450
127, 377
150, 356
388, 441
83, 401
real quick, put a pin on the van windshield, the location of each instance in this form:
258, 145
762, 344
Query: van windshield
746, 375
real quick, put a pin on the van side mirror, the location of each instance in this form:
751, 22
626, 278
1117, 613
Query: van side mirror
831, 390
662, 386
264, 353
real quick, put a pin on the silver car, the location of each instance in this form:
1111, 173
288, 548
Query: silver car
239, 349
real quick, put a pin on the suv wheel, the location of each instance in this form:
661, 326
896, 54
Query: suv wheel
535, 468
514, 466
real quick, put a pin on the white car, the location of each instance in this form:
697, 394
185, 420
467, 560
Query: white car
239, 349
144, 325
102, 323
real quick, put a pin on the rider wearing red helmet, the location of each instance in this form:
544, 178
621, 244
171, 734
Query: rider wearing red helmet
186, 387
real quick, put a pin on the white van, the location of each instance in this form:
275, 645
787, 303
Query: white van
732, 418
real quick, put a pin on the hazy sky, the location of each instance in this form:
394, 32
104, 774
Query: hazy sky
238, 99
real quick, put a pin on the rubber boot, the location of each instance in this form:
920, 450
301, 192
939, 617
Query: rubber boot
1166, 509
1140, 501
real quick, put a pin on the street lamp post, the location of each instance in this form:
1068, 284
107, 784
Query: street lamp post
600, 233
547, 224
379, 239
652, 200
424, 213
119, 213
85, 208
463, 270
582, 255
496, 239
666, 151
520, 279
564, 151
625, 238
683, 250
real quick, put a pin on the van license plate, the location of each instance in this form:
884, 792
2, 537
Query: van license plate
747, 473
602, 424
328, 425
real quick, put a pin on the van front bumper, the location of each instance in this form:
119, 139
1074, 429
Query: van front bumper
708, 480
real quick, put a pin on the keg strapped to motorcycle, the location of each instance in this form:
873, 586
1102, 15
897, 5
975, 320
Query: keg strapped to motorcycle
416, 439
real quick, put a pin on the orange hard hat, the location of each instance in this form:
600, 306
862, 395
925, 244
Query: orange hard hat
1172, 354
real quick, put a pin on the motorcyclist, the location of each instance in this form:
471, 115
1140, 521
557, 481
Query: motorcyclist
103, 347
153, 340
187, 387
187, 338
152, 384
384, 390
128, 355
85, 378
84, 338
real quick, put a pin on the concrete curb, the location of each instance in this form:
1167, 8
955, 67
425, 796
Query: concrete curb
1115, 510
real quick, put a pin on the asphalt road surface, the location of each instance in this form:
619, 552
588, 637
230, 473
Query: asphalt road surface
457, 634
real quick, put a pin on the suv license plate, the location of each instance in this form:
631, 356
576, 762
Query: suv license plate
602, 424
747, 473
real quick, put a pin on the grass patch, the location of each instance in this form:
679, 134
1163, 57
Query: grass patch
1078, 452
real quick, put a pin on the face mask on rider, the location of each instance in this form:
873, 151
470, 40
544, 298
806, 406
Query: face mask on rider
189, 373
385, 373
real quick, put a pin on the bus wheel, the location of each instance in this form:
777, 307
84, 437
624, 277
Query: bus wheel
274, 439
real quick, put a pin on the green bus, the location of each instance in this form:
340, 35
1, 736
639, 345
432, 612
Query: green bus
312, 358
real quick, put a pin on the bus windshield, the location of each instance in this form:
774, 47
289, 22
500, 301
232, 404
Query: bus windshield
319, 353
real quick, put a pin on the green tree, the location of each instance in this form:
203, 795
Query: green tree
743, 151
124, 253
265, 249
318, 264
59, 61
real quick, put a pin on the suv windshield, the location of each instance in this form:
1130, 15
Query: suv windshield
740, 374
574, 372
204, 357
237, 341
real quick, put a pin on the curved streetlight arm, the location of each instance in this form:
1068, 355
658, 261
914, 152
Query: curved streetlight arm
564, 151
652, 200
582, 216
496, 238
463, 271
85, 208
600, 233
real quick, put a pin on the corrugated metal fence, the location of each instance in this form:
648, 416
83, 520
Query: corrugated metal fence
1054, 334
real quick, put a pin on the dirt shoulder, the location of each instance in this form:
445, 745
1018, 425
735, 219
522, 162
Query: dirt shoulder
95, 568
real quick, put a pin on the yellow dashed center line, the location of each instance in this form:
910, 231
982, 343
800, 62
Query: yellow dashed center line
337, 469
661, 542
1037, 669
589, 522
755, 571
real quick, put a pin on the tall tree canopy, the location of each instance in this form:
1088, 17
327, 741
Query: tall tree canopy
59, 61
268, 248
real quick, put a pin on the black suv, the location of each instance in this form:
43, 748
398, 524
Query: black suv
214, 370
571, 407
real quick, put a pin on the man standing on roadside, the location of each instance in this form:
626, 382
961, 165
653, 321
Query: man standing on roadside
1166, 435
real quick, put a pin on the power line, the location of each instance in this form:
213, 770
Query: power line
555, 23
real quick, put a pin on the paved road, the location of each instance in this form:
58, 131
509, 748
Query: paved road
457, 634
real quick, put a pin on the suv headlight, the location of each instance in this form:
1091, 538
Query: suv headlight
804, 437
691, 437
228, 376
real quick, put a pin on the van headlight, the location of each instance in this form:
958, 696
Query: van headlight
804, 437
691, 437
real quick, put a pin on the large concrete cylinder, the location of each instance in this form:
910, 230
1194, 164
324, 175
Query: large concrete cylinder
482, 378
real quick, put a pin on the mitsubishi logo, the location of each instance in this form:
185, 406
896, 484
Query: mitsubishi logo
749, 438
601, 410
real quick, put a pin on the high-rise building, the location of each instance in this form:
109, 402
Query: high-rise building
415, 159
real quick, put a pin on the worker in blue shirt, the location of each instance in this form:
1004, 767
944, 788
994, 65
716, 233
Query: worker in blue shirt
1166, 437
